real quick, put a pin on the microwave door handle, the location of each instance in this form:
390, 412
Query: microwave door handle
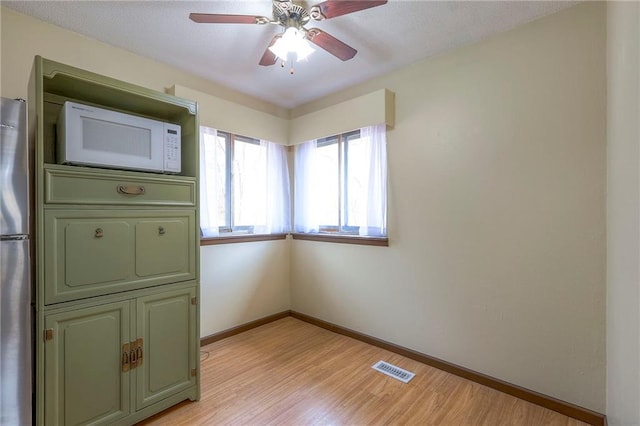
131, 189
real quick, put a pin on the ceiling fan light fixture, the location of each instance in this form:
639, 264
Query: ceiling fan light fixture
280, 50
292, 41
304, 50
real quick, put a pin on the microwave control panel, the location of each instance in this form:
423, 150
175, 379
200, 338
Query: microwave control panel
172, 157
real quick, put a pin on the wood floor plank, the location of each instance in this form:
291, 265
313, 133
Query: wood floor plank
290, 372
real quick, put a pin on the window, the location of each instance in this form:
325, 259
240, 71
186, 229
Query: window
341, 174
340, 184
244, 185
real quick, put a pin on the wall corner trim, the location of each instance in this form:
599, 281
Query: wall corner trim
207, 340
373, 108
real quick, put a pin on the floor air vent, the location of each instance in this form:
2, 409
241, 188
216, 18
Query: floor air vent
393, 371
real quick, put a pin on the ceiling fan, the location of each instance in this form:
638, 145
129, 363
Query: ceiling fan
293, 18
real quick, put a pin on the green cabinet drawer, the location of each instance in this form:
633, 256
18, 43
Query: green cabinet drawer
77, 185
90, 253
84, 381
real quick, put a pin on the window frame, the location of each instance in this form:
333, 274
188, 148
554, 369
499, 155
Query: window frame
342, 139
229, 229
342, 238
227, 234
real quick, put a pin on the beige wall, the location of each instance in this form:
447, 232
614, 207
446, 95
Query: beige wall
623, 205
230, 295
250, 281
496, 213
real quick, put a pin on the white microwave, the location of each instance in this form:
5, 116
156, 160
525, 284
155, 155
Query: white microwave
98, 137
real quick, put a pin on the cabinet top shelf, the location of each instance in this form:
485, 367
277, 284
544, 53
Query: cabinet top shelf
68, 81
53, 83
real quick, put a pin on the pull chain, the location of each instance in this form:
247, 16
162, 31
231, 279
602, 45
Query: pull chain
290, 69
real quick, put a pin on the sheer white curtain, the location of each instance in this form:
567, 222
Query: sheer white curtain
208, 186
304, 165
278, 206
373, 222
276, 217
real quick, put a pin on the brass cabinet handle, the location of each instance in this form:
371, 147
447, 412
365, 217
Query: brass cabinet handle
131, 189
132, 354
125, 358
139, 353
161, 230
99, 233
133, 360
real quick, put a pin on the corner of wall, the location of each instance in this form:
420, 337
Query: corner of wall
623, 213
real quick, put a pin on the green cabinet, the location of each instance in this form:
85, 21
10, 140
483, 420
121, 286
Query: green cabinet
116, 263
106, 362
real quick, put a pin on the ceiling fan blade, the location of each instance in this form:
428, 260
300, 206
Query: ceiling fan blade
332, 8
269, 58
331, 44
214, 18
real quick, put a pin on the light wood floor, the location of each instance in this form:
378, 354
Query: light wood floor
292, 373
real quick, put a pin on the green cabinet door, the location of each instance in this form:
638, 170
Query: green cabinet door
162, 247
84, 381
167, 324
96, 252
86, 254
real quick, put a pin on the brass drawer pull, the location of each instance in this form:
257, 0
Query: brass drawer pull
131, 189
99, 233
161, 230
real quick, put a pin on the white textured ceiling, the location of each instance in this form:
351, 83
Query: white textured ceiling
386, 37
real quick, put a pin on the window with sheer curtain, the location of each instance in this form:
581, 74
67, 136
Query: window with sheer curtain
244, 185
340, 184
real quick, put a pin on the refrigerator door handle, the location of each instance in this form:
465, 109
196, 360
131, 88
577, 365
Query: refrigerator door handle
13, 237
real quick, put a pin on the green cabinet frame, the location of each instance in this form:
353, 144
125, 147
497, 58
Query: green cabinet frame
111, 267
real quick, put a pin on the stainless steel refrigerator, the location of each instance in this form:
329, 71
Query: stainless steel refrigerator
15, 275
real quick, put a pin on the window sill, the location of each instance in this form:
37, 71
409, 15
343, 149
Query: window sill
229, 239
344, 239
